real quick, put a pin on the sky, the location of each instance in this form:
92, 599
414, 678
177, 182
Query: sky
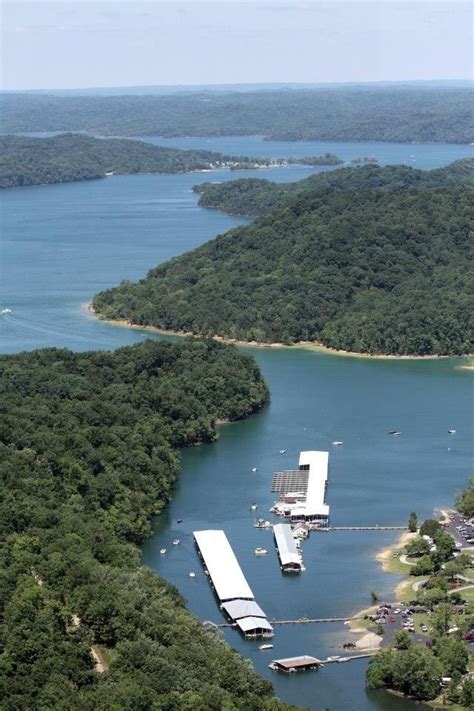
82, 43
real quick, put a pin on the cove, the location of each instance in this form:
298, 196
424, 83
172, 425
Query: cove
62, 243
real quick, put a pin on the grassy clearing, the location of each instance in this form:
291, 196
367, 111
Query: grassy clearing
404, 591
357, 624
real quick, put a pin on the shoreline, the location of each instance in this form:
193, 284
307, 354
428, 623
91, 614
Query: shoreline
304, 345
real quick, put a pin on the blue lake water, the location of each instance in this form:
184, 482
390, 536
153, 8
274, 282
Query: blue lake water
62, 243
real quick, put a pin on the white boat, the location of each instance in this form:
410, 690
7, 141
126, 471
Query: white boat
337, 443
5, 311
335, 658
162, 551
254, 507
282, 451
395, 433
266, 646
192, 575
261, 551
254, 469
451, 431
176, 542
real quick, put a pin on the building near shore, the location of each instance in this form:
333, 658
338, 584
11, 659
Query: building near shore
303, 490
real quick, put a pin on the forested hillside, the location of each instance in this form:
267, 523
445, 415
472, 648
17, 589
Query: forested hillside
385, 271
254, 196
69, 157
360, 113
88, 452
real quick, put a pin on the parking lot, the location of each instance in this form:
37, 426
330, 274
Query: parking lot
461, 530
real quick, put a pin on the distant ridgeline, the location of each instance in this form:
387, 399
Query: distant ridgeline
359, 113
372, 260
88, 453
70, 157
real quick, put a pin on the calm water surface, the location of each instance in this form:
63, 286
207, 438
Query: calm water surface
60, 244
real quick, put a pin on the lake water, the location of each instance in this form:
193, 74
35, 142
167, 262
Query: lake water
62, 243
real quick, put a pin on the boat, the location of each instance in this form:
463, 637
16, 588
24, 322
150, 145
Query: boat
192, 575
179, 520
335, 658
451, 431
261, 551
343, 659
162, 551
254, 507
282, 451
5, 311
254, 469
176, 542
337, 443
394, 432
266, 646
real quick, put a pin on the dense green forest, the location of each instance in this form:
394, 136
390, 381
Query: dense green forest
69, 157
254, 196
88, 452
325, 159
361, 113
465, 500
381, 271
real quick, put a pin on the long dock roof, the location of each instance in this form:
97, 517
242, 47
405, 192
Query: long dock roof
226, 574
286, 544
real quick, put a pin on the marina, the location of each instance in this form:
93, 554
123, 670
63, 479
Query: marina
230, 585
303, 490
290, 558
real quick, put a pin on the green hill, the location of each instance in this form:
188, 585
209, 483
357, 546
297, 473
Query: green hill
70, 157
426, 114
254, 196
382, 271
88, 453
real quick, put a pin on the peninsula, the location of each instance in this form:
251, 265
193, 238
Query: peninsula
360, 268
88, 454
72, 156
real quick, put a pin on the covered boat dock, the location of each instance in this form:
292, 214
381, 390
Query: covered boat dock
290, 559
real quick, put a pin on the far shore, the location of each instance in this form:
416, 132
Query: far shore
307, 345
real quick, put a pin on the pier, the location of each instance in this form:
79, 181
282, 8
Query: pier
298, 621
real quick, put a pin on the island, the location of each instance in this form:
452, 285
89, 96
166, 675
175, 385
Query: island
425, 633
325, 159
361, 269
88, 454
368, 112
73, 156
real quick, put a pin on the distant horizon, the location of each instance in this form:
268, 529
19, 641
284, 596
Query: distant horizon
242, 86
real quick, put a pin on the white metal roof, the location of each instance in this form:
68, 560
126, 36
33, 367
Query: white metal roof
286, 544
243, 608
246, 624
225, 572
317, 479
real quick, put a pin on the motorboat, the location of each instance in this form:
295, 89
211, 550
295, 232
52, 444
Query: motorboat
254, 507
282, 451
192, 575
254, 469
266, 646
162, 551
176, 542
261, 551
451, 431
179, 520
394, 432
5, 311
337, 443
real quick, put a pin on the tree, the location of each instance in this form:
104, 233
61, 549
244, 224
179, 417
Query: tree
444, 546
423, 566
441, 618
453, 655
465, 500
374, 596
467, 693
402, 639
417, 547
413, 522
430, 528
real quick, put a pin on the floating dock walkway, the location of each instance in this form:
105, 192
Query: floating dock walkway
230, 586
